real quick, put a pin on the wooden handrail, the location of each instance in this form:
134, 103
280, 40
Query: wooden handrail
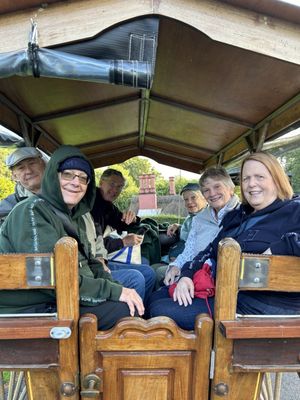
255, 328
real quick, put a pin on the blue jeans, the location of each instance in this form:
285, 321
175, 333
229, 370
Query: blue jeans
161, 303
134, 274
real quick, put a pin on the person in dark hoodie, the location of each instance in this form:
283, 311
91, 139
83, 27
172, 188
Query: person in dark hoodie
36, 224
267, 222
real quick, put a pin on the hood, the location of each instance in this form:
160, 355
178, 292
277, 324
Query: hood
51, 187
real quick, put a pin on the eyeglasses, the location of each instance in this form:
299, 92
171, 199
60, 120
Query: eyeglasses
114, 185
70, 176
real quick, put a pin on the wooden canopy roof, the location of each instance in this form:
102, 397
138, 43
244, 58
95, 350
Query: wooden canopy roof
226, 79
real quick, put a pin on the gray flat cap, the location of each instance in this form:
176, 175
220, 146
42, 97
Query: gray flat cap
22, 154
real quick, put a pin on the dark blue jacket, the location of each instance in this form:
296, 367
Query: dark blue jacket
276, 227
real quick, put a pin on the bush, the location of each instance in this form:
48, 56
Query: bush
171, 219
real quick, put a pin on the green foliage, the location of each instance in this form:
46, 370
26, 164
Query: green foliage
291, 161
137, 166
172, 219
6, 187
6, 184
162, 185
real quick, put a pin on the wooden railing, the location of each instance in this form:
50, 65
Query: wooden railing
45, 347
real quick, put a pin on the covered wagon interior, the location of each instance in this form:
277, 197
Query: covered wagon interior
186, 83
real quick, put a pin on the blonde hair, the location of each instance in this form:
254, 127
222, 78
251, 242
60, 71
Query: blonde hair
281, 180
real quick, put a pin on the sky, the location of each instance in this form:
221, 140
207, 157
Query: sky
170, 171
167, 171
295, 2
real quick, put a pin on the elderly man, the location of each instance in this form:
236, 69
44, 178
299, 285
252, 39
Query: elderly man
27, 168
105, 214
68, 192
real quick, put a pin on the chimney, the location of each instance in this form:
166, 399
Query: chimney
172, 190
147, 194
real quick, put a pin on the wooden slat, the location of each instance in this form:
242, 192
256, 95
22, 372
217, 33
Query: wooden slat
30, 328
266, 355
30, 353
261, 328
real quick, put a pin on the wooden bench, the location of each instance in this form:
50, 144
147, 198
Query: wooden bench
246, 347
145, 360
44, 346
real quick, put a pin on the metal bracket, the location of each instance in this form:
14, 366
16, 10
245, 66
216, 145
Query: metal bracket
39, 271
254, 272
60, 332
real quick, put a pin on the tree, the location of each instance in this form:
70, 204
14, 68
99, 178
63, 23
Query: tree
6, 184
137, 166
291, 161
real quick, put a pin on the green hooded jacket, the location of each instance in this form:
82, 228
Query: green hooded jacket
33, 227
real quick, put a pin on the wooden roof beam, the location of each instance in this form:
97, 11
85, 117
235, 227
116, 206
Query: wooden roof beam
202, 111
182, 145
84, 109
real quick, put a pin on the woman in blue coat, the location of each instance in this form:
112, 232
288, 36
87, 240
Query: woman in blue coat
268, 221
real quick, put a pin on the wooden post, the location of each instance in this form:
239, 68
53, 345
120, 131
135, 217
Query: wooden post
227, 385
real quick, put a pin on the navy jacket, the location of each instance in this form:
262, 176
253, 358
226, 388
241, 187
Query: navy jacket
276, 227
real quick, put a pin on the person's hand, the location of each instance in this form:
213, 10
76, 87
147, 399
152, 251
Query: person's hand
104, 265
128, 217
133, 300
184, 291
132, 239
172, 229
171, 274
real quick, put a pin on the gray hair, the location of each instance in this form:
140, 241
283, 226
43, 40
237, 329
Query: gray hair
112, 172
216, 173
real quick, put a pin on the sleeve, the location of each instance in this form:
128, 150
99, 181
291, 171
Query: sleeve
289, 241
32, 228
189, 250
112, 244
289, 245
115, 220
211, 251
97, 286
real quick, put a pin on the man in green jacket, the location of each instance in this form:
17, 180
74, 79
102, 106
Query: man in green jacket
36, 224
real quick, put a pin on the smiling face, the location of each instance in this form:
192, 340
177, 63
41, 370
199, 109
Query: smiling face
29, 173
72, 190
193, 201
111, 187
258, 185
216, 193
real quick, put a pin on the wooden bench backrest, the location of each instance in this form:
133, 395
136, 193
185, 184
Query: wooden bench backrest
246, 347
27, 342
